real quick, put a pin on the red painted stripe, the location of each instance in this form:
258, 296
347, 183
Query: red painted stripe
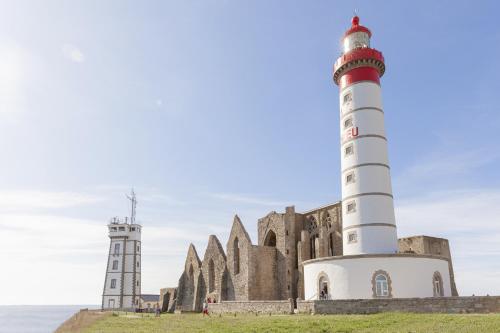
359, 74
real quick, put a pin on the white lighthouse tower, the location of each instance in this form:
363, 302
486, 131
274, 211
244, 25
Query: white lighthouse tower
370, 266
122, 284
367, 210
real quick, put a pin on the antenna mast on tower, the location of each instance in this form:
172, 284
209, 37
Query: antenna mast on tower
133, 201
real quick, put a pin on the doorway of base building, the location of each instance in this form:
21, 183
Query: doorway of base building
111, 303
323, 288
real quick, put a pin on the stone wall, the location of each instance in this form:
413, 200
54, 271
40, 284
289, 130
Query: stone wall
258, 307
473, 304
430, 245
262, 267
167, 299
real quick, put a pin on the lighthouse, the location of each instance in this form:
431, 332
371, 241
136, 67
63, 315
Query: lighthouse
369, 225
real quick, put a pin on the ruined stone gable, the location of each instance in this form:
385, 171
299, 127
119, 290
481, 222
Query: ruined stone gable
213, 269
190, 283
238, 254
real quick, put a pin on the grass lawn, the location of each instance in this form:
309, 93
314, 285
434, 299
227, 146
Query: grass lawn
385, 322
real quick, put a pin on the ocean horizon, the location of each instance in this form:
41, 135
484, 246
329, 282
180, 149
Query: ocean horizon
36, 318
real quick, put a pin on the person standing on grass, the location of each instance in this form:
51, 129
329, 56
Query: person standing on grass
205, 308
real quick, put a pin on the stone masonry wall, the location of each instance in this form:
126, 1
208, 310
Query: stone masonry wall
473, 304
258, 307
262, 267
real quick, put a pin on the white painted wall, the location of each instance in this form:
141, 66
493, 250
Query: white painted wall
351, 278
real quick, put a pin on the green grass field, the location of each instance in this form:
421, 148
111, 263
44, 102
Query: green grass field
387, 322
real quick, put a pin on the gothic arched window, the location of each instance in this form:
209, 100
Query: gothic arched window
270, 239
236, 256
211, 276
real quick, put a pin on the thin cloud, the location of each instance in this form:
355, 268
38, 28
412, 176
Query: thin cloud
232, 197
25, 200
73, 53
470, 220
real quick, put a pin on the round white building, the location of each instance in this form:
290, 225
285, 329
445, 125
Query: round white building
371, 266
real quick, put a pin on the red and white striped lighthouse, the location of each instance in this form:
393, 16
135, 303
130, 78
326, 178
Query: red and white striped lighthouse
369, 225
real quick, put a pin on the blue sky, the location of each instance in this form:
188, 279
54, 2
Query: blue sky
211, 108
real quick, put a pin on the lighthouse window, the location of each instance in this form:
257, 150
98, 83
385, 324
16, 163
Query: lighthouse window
115, 264
351, 207
348, 122
347, 98
381, 284
349, 150
113, 283
117, 248
137, 264
121, 228
349, 178
352, 237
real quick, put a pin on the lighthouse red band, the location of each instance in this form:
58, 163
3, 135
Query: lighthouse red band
359, 62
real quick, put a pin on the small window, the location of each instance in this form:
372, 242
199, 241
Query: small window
137, 283
349, 150
287, 251
347, 98
286, 232
121, 228
136, 302
113, 228
137, 264
348, 122
117, 248
115, 264
138, 248
349, 178
382, 287
132, 228
113, 283
351, 207
352, 237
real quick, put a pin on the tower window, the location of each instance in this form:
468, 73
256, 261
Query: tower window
117, 248
113, 284
138, 248
347, 98
132, 228
137, 283
348, 122
137, 264
349, 150
352, 237
351, 207
349, 178
121, 228
115, 264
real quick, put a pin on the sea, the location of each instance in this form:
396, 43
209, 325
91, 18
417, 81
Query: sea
36, 318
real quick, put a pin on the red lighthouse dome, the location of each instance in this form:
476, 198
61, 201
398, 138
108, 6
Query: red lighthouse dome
359, 62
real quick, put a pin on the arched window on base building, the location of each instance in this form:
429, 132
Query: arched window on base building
381, 284
437, 285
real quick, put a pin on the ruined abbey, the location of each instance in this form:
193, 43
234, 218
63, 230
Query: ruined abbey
272, 269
